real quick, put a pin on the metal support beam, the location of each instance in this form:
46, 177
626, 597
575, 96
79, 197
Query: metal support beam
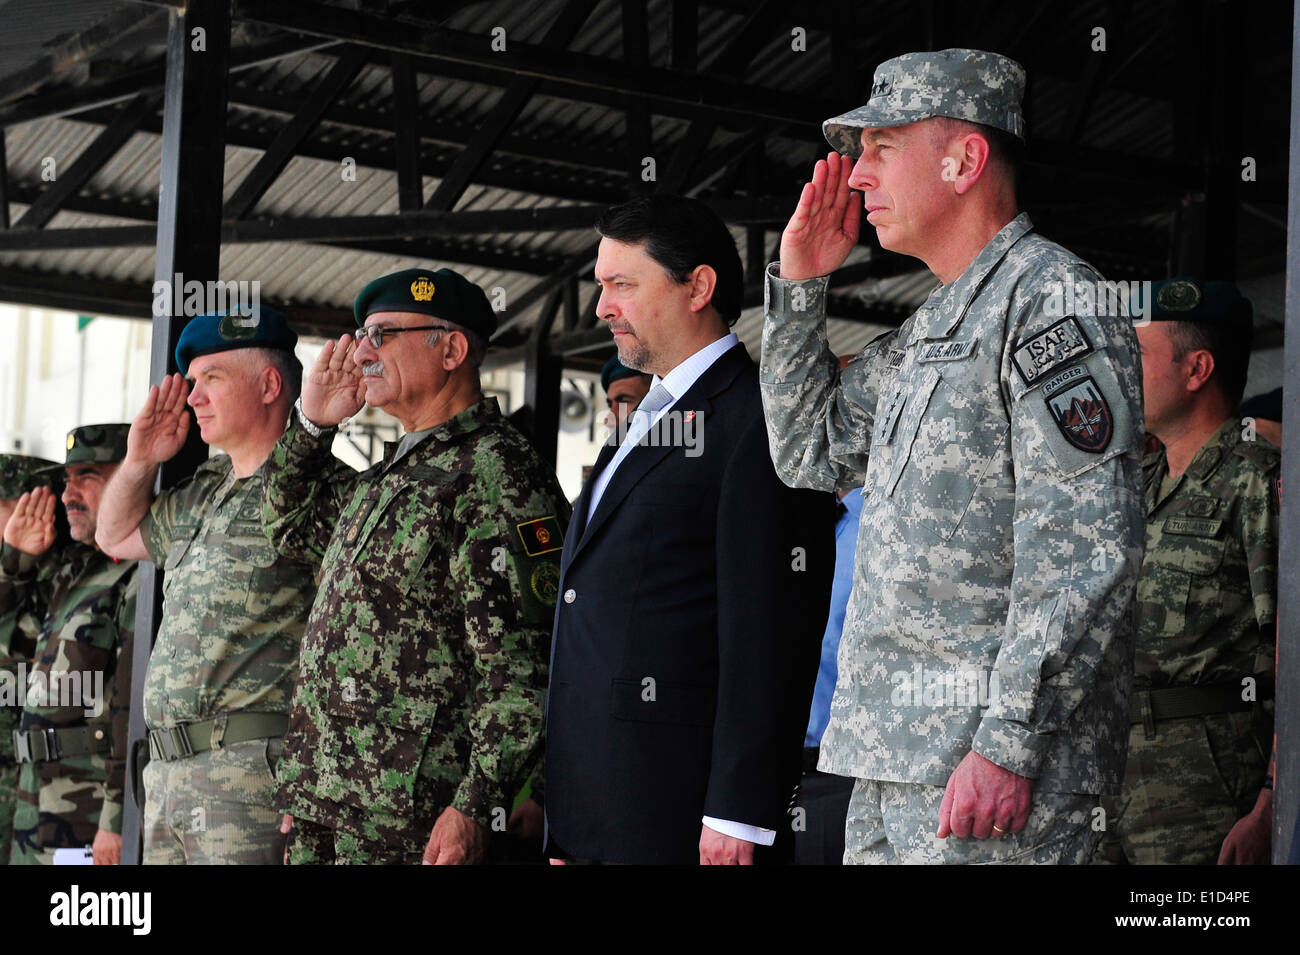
150, 79
543, 371
92, 159
4, 183
287, 141
189, 218
383, 229
686, 36
636, 115
507, 110
406, 110
1286, 798
586, 75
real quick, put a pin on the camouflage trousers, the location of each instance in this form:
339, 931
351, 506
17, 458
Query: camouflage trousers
1184, 789
892, 823
58, 807
9, 719
311, 843
214, 808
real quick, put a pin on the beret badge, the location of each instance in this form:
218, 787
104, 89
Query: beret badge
422, 289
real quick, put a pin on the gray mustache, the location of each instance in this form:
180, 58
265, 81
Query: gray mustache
372, 368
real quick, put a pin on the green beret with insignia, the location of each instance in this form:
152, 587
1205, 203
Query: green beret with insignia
614, 370
209, 334
20, 474
95, 444
1191, 300
442, 294
970, 85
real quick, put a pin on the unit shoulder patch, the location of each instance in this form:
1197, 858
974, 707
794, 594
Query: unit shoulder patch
1061, 344
541, 535
1080, 410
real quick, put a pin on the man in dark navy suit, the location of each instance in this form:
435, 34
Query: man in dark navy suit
679, 699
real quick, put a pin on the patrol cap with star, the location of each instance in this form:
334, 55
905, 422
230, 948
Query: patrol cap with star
441, 294
1191, 300
95, 444
218, 332
20, 474
614, 370
972, 85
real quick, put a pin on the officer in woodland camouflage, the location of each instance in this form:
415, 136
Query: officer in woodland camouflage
22, 609
985, 663
419, 710
1197, 787
72, 739
221, 674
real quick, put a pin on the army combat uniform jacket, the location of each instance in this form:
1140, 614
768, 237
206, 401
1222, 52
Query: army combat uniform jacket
1207, 597
233, 609
79, 683
22, 611
424, 662
999, 432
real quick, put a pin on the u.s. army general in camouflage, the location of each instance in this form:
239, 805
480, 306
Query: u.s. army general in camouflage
999, 440
72, 740
424, 662
1202, 727
20, 626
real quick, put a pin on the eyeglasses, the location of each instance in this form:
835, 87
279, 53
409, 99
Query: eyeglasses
375, 333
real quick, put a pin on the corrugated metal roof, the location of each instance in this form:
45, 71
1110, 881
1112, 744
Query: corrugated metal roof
581, 147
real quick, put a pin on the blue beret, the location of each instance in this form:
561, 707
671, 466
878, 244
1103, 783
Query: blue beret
442, 294
613, 371
209, 334
1190, 300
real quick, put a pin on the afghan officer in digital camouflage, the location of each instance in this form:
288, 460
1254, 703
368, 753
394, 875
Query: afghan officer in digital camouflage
223, 666
984, 670
71, 742
1202, 726
21, 613
418, 714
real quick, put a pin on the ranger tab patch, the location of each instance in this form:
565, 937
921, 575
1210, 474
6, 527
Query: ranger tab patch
540, 536
1061, 344
1080, 410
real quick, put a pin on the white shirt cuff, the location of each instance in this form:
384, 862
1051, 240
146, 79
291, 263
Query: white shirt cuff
738, 830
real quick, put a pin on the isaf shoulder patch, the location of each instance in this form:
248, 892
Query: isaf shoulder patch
1061, 344
540, 536
1080, 410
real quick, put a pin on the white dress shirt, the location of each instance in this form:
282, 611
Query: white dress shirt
678, 382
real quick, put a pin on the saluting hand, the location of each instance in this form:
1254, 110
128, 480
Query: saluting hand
824, 227
31, 526
334, 389
158, 431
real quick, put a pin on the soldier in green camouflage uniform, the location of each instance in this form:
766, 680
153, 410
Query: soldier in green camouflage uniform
21, 613
985, 665
418, 712
1207, 598
222, 670
70, 789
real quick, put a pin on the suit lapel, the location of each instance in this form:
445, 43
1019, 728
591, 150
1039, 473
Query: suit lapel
641, 459
578, 523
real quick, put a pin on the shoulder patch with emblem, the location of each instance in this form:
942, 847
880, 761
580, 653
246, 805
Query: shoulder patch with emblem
1060, 344
540, 536
1080, 410
545, 581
